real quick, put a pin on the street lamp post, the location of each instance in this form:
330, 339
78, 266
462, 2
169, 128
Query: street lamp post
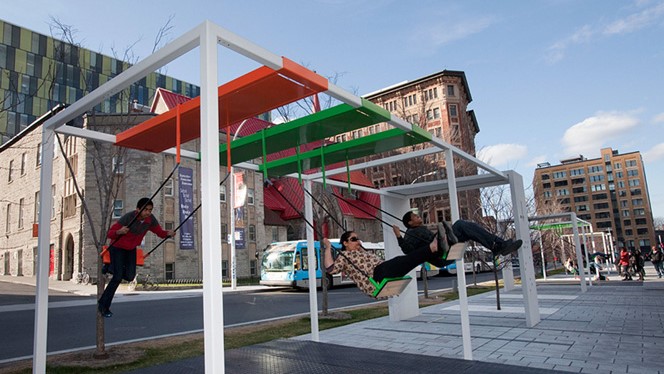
231, 226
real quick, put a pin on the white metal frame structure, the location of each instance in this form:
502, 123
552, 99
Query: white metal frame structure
209, 37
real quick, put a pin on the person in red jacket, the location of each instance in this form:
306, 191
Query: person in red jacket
126, 234
624, 264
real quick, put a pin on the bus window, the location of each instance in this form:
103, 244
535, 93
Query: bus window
305, 259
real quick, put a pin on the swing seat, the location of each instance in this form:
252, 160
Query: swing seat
140, 259
389, 287
106, 256
456, 251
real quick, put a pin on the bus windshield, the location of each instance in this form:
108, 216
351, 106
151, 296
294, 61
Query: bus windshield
278, 257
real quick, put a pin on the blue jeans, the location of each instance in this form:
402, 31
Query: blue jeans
467, 230
123, 266
659, 267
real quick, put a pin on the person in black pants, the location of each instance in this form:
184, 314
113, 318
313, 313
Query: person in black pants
417, 235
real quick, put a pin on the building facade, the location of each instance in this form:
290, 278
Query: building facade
37, 72
610, 192
438, 103
113, 179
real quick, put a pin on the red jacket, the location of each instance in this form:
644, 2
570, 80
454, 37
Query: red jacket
137, 231
624, 258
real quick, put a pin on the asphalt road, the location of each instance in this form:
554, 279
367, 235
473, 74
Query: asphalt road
72, 318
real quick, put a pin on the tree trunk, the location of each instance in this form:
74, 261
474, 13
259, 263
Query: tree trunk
495, 277
100, 351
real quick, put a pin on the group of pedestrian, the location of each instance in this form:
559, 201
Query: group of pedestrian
631, 264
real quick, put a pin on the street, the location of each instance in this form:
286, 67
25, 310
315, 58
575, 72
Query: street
72, 318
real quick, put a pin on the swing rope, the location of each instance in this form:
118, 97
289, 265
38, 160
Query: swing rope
182, 223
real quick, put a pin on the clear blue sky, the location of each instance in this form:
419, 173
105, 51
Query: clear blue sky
550, 79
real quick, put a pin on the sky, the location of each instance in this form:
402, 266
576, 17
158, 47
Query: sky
550, 79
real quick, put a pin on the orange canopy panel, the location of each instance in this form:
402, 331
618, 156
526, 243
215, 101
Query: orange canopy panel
256, 92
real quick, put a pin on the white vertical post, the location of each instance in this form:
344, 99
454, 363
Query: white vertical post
526, 267
231, 226
311, 261
606, 258
585, 246
508, 270
461, 270
542, 254
613, 252
577, 249
43, 245
213, 307
406, 304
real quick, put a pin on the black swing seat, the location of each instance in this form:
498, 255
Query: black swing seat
389, 287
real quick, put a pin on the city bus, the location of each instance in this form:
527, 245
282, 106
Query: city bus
285, 264
476, 258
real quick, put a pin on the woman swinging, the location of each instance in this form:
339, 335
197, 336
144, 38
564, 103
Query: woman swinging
361, 265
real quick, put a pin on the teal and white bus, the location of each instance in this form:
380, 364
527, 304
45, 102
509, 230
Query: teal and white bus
285, 264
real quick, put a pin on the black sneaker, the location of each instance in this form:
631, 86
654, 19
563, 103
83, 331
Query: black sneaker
509, 246
451, 238
106, 313
441, 238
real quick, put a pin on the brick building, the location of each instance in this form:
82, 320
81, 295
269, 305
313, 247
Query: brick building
438, 103
611, 192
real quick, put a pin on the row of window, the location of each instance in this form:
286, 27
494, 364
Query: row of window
594, 169
22, 205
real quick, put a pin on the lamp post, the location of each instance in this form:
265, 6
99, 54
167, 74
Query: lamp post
231, 226
424, 175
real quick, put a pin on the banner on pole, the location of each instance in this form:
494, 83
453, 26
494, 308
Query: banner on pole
186, 188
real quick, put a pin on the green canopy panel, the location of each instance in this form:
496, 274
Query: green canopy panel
317, 126
340, 152
556, 226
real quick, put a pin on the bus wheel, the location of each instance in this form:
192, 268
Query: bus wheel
329, 283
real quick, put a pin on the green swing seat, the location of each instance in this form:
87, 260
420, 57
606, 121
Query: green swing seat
389, 287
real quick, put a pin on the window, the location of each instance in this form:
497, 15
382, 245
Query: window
580, 199
637, 202
118, 165
545, 176
627, 222
547, 194
24, 157
224, 268
53, 204
450, 90
559, 174
639, 212
436, 112
601, 206
8, 227
598, 187
617, 165
546, 185
633, 173
579, 189
625, 213
36, 213
429, 114
595, 169
560, 183
118, 208
222, 194
252, 268
562, 192
453, 111
630, 163
9, 174
596, 178
250, 196
634, 182
169, 271
224, 233
575, 172
275, 234
20, 213
582, 208
168, 188
252, 233
640, 221
39, 154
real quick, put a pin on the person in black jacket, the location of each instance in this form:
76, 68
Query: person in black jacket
656, 257
418, 235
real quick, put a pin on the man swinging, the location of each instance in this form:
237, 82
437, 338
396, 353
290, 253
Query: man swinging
126, 234
417, 235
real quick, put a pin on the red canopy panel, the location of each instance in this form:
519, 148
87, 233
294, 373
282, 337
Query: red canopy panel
256, 92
